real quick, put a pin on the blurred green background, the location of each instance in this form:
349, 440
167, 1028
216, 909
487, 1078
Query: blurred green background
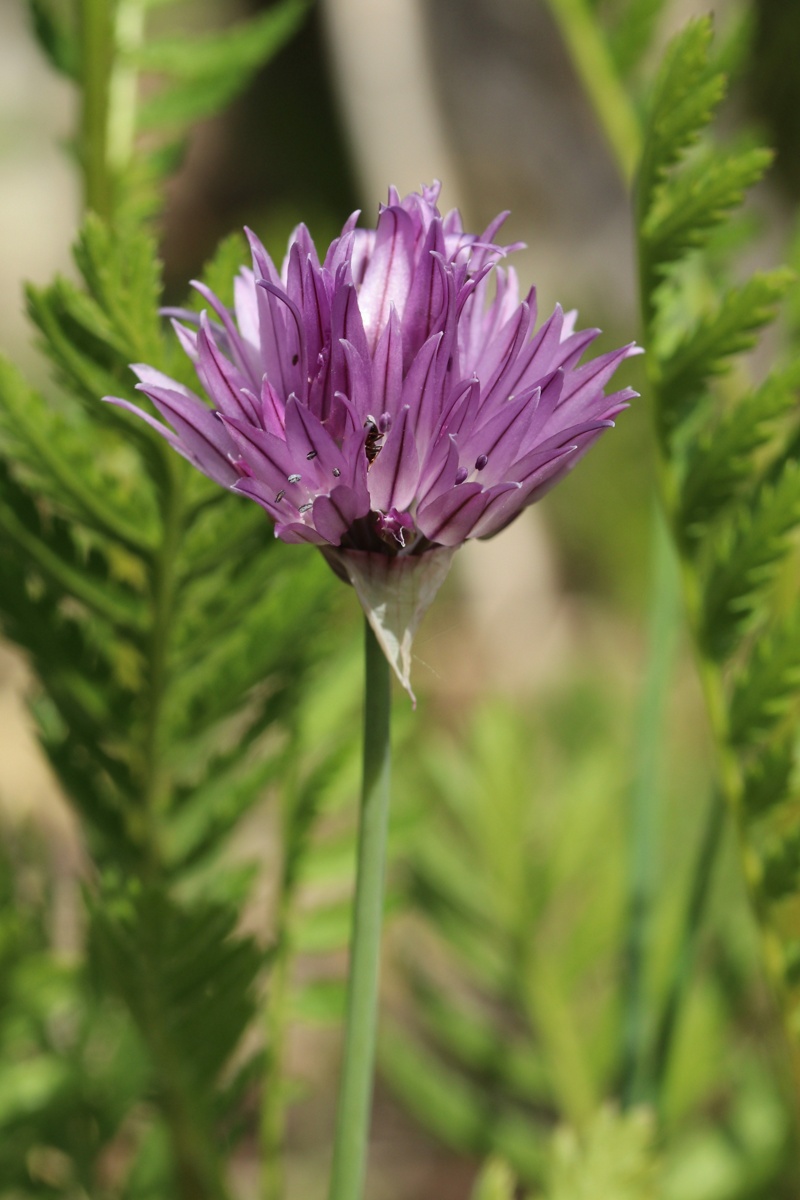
506, 959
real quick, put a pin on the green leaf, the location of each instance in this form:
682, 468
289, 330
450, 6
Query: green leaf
187, 978
705, 351
780, 866
49, 546
766, 688
211, 70
56, 34
685, 96
64, 457
461, 1114
473, 1040
748, 558
633, 33
721, 459
689, 204
495, 1182
614, 1158
768, 778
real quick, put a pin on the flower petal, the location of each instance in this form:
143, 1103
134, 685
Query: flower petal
203, 437
392, 479
334, 514
387, 279
450, 519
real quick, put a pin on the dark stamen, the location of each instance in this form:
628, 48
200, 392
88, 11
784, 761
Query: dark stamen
295, 359
481, 461
280, 496
294, 478
336, 472
311, 454
461, 475
384, 422
305, 507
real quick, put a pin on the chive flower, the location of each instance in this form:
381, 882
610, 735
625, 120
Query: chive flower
387, 403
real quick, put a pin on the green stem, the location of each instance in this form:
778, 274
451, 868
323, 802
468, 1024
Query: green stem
646, 806
598, 74
97, 55
355, 1093
683, 958
109, 34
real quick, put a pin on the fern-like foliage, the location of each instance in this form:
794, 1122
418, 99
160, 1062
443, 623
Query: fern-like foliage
508, 946
171, 639
127, 141
729, 468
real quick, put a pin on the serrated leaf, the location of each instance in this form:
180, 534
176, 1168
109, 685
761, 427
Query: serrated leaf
767, 779
780, 866
752, 552
50, 547
187, 978
685, 96
461, 1114
211, 70
56, 35
122, 272
688, 204
721, 459
614, 1157
58, 455
475, 1042
633, 33
765, 689
705, 351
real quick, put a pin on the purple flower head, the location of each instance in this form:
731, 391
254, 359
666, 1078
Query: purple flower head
387, 403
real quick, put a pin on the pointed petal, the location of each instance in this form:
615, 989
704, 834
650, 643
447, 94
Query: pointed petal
334, 514
387, 279
392, 479
387, 368
310, 444
451, 517
226, 385
268, 458
203, 436
168, 434
439, 471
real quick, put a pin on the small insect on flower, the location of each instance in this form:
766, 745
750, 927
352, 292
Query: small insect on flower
376, 432
479, 412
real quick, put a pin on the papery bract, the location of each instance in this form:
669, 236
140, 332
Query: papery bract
388, 403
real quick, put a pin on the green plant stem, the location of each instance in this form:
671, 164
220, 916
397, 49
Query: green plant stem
683, 958
646, 804
109, 34
595, 67
355, 1093
97, 53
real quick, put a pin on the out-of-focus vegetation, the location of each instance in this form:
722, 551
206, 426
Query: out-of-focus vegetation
575, 990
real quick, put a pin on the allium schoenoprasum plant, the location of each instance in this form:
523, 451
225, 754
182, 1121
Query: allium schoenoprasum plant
168, 672
182, 668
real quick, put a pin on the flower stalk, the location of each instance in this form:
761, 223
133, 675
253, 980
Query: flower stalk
355, 1090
